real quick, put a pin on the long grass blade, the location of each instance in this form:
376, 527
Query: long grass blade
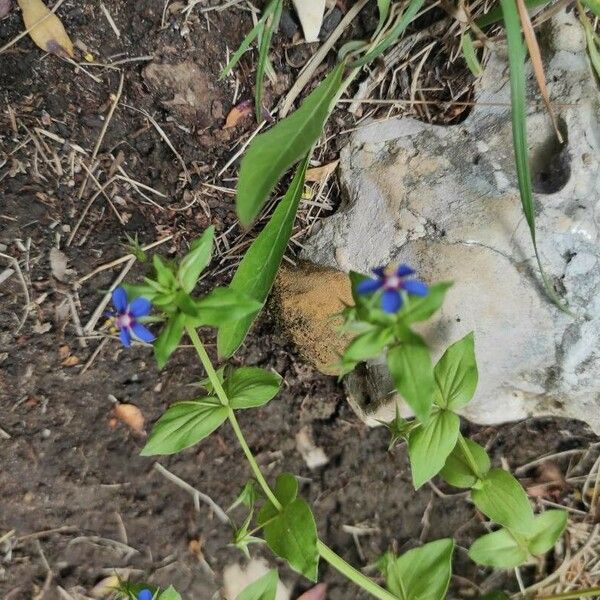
271, 25
469, 54
593, 42
516, 59
495, 15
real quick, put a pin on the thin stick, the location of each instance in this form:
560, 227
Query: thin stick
196, 494
76, 322
17, 268
95, 353
123, 259
110, 19
100, 139
27, 31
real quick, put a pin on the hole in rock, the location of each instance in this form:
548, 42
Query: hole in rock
551, 162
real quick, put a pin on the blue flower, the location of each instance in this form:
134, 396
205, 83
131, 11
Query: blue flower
145, 594
392, 282
125, 317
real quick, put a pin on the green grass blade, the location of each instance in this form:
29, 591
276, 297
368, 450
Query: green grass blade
399, 28
235, 58
470, 55
592, 41
516, 60
384, 11
256, 273
273, 152
593, 5
271, 25
494, 16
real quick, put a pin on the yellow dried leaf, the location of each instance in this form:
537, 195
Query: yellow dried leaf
132, 417
321, 173
237, 113
45, 28
70, 361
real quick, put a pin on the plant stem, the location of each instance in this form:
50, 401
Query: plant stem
207, 364
337, 562
250, 458
469, 456
574, 594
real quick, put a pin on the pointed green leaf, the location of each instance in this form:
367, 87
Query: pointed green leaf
249, 387
498, 549
420, 309
257, 270
183, 425
456, 374
195, 260
368, 345
169, 338
457, 470
170, 594
547, 528
503, 500
470, 54
223, 305
422, 573
272, 153
412, 372
430, 445
264, 588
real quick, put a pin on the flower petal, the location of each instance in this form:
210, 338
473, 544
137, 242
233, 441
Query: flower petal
145, 595
142, 333
415, 287
119, 299
368, 286
125, 337
379, 272
404, 270
391, 301
140, 307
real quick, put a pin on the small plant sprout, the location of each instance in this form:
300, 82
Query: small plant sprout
275, 512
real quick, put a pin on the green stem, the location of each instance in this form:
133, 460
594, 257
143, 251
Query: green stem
207, 364
324, 551
338, 563
469, 456
574, 594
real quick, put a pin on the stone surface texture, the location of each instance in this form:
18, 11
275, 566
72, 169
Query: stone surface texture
444, 199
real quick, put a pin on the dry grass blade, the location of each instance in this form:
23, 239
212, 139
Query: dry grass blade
536, 61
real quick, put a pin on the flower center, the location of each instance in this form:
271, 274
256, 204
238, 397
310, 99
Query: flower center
124, 321
392, 282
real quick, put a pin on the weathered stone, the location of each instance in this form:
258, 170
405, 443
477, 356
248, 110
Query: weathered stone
444, 199
309, 298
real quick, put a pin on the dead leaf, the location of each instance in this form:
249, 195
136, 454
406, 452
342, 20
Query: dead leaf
132, 417
237, 113
63, 352
319, 592
106, 587
321, 173
45, 28
5, 7
58, 265
313, 456
70, 361
549, 482
311, 13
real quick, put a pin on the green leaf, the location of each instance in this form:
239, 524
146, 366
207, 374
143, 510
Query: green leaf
516, 56
498, 549
169, 338
140, 291
291, 533
265, 35
470, 54
456, 374
368, 345
273, 152
547, 528
183, 425
170, 594
590, 35
503, 500
185, 304
457, 470
249, 387
397, 30
223, 305
495, 14
593, 5
243, 47
258, 268
195, 260
422, 573
384, 11
420, 309
264, 588
430, 445
412, 373
164, 274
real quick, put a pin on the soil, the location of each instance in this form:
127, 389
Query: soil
79, 500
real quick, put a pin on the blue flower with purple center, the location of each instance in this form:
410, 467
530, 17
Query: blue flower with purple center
126, 317
145, 594
392, 282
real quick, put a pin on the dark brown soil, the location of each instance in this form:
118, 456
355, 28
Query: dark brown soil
70, 479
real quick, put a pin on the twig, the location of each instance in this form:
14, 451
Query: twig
76, 322
49, 573
17, 268
95, 353
27, 31
196, 494
46, 532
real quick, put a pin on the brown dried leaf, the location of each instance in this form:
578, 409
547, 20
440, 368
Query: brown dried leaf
237, 113
132, 417
321, 173
319, 592
63, 352
45, 28
5, 7
70, 361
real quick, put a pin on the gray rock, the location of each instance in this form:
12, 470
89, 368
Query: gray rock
444, 199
